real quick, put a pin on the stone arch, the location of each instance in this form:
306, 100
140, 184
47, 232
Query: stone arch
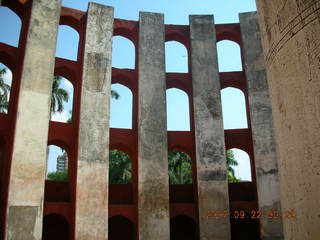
243, 170
229, 56
176, 57
60, 85
182, 227
67, 43
178, 110
122, 46
233, 108
8, 19
120, 228
57, 163
121, 109
55, 227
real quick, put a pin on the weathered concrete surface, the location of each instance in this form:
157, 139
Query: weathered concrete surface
210, 148
25, 202
93, 150
290, 33
262, 128
153, 199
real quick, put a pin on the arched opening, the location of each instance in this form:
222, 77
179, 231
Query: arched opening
239, 167
233, 108
176, 57
120, 178
61, 100
10, 25
55, 227
123, 53
120, 228
180, 177
229, 56
178, 115
57, 164
119, 167
57, 177
121, 107
67, 43
179, 168
5, 87
182, 227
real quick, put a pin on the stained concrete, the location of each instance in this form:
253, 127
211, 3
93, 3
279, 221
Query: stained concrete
209, 133
93, 149
25, 201
262, 127
153, 186
290, 33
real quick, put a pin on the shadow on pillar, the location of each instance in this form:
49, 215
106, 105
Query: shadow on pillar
55, 227
182, 228
120, 228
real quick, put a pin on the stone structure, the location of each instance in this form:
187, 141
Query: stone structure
262, 128
87, 206
93, 149
290, 32
209, 136
27, 177
153, 183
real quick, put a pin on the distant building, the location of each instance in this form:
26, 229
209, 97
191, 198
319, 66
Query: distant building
62, 162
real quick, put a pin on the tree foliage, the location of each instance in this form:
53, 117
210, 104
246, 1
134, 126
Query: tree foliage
58, 96
231, 161
179, 168
58, 176
119, 167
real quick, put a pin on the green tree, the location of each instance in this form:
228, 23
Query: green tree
58, 96
179, 168
58, 175
231, 161
114, 94
4, 92
119, 167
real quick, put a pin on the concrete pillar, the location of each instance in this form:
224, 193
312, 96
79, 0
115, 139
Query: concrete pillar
26, 189
153, 180
262, 129
93, 149
290, 33
209, 133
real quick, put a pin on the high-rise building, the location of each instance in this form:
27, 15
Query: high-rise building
62, 162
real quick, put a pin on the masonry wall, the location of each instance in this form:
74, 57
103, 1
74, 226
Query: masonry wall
149, 201
290, 33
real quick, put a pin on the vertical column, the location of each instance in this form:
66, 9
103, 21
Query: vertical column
209, 133
153, 182
290, 33
26, 189
262, 128
93, 149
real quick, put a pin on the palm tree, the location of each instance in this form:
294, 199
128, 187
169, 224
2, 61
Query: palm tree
59, 95
4, 92
231, 161
114, 94
119, 168
179, 168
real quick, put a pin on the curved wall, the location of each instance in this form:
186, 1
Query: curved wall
290, 36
